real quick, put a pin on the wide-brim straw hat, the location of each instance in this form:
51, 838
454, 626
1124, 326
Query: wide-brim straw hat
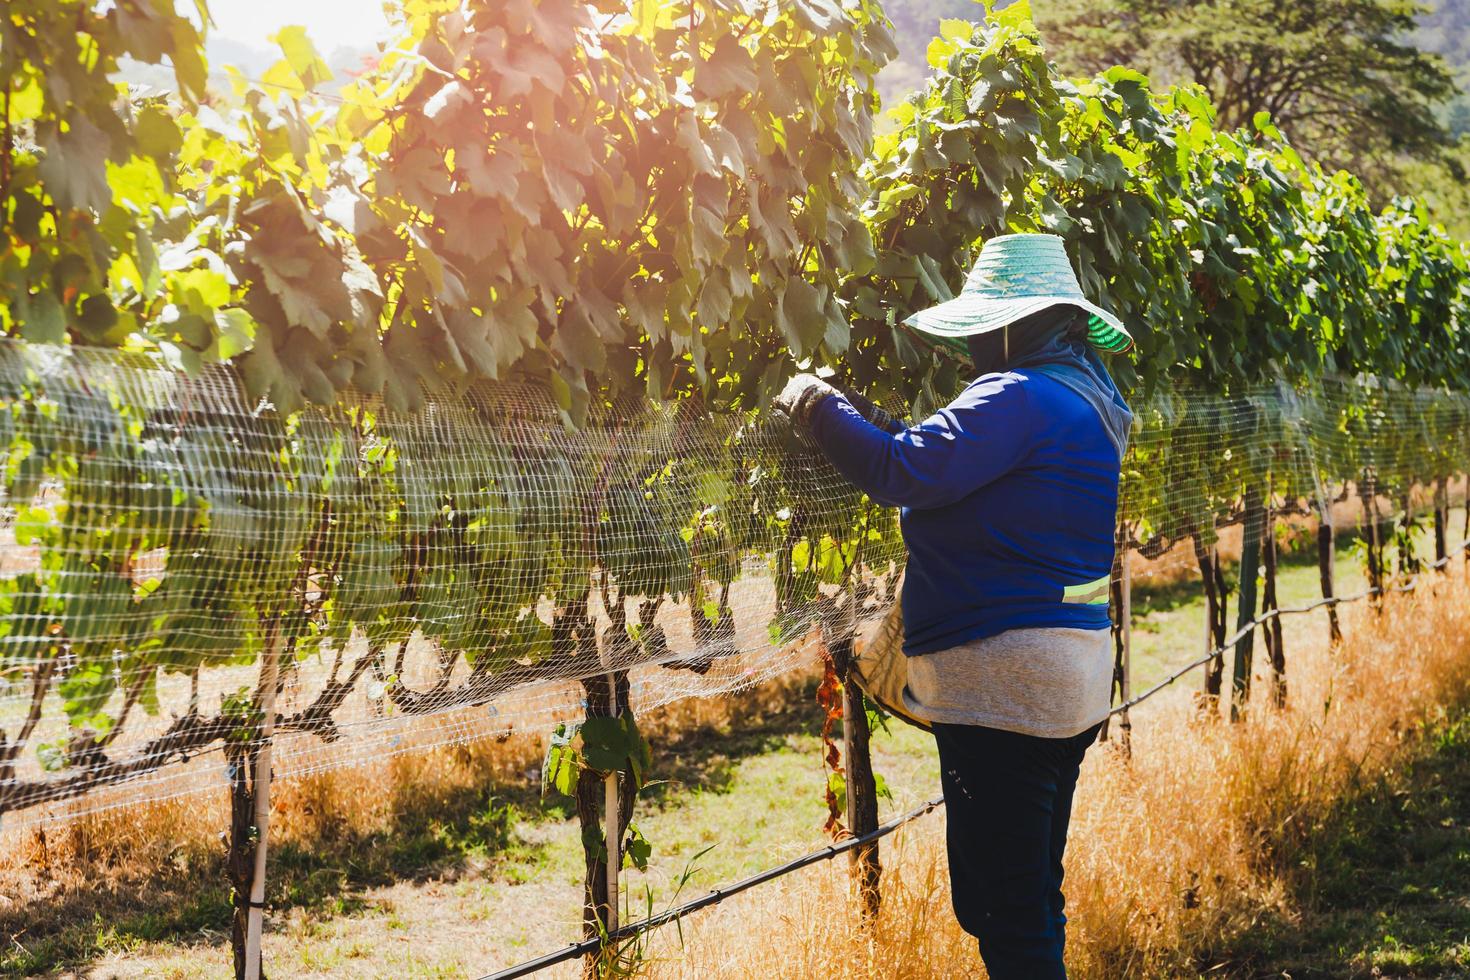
1014, 277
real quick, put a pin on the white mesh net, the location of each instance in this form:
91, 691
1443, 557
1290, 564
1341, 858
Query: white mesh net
453, 574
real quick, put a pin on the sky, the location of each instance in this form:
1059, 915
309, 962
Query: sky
330, 23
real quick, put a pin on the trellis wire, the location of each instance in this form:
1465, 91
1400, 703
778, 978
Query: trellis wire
714, 897
718, 895
1408, 585
456, 573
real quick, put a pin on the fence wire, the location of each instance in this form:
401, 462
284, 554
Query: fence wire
717, 895
454, 574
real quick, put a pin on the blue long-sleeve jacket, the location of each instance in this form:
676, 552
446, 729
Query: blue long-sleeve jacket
1009, 499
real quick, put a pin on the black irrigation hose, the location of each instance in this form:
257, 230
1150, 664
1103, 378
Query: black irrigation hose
832, 850
718, 895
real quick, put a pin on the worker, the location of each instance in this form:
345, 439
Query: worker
1009, 500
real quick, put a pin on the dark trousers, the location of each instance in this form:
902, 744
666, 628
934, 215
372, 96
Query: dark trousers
1009, 801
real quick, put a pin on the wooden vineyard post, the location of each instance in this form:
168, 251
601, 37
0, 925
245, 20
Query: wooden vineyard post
838, 634
862, 785
1441, 520
1368, 493
1118, 605
594, 883
1125, 662
602, 806
250, 816
611, 808
256, 925
1215, 612
1272, 627
1250, 561
613, 832
1326, 562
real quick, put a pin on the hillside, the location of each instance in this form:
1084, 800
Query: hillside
1447, 31
915, 24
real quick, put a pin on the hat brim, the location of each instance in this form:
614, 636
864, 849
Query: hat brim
966, 316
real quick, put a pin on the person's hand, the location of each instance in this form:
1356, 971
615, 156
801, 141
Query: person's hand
801, 396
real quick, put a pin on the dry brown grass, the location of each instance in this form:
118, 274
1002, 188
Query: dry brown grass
1195, 840
342, 841
109, 860
1174, 853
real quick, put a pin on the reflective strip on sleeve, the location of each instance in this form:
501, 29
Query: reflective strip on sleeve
1094, 593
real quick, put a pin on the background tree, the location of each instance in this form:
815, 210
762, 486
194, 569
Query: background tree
1342, 78
1446, 30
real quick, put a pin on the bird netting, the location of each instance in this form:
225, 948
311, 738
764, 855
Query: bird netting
458, 572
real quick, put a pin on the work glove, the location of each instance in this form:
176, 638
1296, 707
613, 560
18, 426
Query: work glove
801, 396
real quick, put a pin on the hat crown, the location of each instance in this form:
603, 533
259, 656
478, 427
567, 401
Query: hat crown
1020, 266
1014, 277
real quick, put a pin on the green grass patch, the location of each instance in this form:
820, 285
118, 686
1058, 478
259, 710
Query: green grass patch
1385, 883
183, 913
